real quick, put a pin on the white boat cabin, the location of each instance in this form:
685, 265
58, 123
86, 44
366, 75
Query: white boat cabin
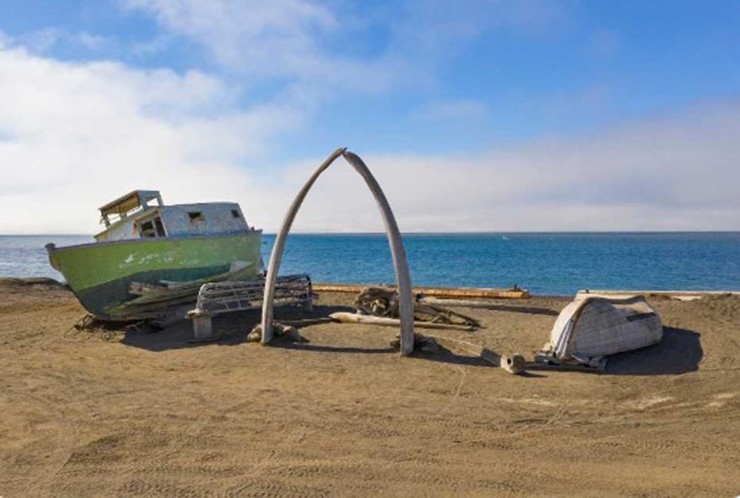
142, 214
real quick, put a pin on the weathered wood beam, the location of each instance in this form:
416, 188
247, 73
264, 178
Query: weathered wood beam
345, 317
442, 292
513, 364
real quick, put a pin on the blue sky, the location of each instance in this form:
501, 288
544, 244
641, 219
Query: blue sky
626, 108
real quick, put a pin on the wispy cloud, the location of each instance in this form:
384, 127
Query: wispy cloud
674, 172
437, 24
456, 110
271, 38
44, 40
307, 40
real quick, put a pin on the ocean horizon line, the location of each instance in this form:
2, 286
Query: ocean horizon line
462, 232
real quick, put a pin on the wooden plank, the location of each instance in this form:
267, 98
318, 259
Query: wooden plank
344, 317
465, 303
680, 295
473, 292
450, 292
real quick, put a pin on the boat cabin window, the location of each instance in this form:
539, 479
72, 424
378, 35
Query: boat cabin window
196, 216
152, 228
235, 213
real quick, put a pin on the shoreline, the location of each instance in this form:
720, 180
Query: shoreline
352, 287
484, 232
680, 295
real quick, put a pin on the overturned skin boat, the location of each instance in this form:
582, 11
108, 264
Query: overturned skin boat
593, 327
152, 256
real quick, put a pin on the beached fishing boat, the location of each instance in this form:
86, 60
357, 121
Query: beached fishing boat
151, 256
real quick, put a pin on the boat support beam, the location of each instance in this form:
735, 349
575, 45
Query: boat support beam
398, 253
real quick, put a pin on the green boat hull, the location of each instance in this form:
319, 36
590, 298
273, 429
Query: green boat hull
100, 274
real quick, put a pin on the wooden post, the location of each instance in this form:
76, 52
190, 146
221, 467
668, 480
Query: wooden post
202, 327
400, 264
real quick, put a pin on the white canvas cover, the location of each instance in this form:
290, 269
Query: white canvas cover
592, 327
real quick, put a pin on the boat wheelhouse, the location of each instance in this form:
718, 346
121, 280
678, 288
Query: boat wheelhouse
151, 256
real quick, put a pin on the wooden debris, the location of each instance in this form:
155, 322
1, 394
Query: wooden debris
486, 304
514, 364
422, 343
279, 330
255, 335
546, 360
156, 300
672, 294
344, 317
438, 314
383, 302
377, 301
462, 292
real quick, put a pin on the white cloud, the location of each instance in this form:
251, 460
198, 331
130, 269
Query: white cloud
676, 172
263, 36
73, 136
307, 40
280, 41
91, 41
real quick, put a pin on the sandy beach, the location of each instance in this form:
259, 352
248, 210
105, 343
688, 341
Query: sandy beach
137, 414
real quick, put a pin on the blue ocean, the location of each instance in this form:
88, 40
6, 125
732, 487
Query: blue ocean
544, 263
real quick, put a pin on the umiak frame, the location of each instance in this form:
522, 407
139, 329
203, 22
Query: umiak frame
398, 253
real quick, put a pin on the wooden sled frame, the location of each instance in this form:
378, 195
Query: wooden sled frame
229, 297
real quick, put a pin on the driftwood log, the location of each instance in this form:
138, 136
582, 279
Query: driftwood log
345, 317
442, 292
513, 364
